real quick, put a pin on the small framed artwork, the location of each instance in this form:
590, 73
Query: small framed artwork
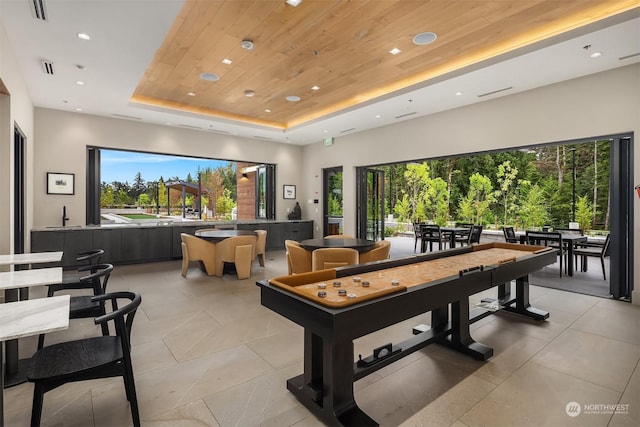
60, 183
289, 191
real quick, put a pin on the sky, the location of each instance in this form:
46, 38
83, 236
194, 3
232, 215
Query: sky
124, 165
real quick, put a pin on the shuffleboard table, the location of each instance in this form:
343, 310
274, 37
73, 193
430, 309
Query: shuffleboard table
336, 306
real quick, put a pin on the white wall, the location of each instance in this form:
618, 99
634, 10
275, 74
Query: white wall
601, 104
15, 108
62, 138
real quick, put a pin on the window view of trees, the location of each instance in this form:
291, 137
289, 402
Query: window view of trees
218, 190
551, 185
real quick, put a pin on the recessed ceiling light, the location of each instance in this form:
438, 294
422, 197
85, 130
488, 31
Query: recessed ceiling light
267, 110
326, 131
293, 3
78, 109
84, 36
315, 87
191, 94
377, 116
247, 44
169, 123
424, 38
227, 61
209, 77
596, 55
249, 93
458, 93
395, 51
293, 98
80, 83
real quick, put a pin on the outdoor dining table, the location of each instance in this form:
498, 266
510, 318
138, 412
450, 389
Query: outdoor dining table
11, 281
452, 232
31, 317
570, 240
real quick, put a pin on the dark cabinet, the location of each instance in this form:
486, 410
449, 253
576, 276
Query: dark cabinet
109, 240
133, 244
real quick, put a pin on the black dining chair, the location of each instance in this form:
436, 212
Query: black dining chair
509, 235
417, 234
430, 233
83, 306
593, 251
71, 278
463, 237
551, 239
89, 358
475, 234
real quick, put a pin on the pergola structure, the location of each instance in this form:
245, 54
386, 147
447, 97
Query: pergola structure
185, 187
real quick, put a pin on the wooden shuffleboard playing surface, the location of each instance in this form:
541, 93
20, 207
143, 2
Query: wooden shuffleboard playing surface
396, 279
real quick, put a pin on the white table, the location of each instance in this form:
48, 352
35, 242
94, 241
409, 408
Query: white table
34, 258
12, 280
31, 317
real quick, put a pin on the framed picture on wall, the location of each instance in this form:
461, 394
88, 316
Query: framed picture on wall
60, 183
289, 191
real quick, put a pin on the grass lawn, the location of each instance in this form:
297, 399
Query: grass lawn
138, 216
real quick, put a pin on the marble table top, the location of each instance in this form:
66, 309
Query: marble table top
34, 258
30, 317
27, 278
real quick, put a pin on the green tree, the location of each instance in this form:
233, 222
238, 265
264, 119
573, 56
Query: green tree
506, 177
144, 200
533, 211
107, 198
416, 177
480, 195
402, 209
224, 203
584, 213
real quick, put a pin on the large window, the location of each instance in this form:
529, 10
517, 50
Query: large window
124, 186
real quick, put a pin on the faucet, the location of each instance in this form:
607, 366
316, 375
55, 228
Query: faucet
64, 216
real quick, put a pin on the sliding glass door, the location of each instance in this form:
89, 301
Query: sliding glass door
370, 204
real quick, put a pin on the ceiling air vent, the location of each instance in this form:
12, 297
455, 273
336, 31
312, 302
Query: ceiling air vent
495, 91
124, 116
622, 58
38, 10
262, 137
47, 67
190, 127
405, 115
347, 130
219, 131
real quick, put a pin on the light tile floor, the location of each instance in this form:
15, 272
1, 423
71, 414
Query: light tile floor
206, 353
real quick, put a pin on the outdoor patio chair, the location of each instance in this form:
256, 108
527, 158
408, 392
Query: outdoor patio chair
509, 235
598, 252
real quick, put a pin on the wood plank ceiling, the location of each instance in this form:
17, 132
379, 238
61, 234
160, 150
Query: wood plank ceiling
340, 46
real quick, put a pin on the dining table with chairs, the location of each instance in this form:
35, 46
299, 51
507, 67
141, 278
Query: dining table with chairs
566, 240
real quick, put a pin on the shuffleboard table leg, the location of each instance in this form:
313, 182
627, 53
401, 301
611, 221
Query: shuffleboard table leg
460, 338
326, 387
521, 301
